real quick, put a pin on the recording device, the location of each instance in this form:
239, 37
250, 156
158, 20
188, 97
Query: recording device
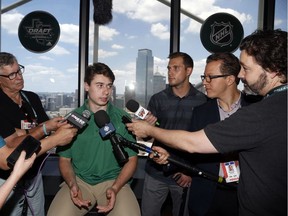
188, 167
29, 145
77, 120
107, 130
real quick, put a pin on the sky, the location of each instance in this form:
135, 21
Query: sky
136, 24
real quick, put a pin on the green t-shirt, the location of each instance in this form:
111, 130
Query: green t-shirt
92, 157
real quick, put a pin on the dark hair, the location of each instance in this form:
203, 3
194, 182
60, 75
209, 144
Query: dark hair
98, 68
269, 48
229, 64
7, 59
187, 60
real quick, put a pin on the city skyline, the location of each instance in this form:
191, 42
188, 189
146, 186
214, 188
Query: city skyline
135, 25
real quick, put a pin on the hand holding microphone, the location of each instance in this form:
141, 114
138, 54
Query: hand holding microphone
77, 120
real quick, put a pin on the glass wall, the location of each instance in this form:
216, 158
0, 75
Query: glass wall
136, 25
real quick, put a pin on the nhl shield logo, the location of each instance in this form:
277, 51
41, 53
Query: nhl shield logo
221, 34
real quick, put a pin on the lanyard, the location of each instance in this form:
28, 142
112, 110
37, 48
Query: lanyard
27, 100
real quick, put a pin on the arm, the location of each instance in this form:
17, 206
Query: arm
61, 137
179, 139
21, 166
124, 176
69, 177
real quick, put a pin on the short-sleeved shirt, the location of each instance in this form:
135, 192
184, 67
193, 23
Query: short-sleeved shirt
259, 133
172, 112
11, 116
92, 157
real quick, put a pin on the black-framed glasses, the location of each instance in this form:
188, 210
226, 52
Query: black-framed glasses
210, 77
13, 75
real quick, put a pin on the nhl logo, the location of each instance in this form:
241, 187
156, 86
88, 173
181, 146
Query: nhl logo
221, 33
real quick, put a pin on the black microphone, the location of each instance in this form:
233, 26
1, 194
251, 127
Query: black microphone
107, 130
138, 146
77, 120
138, 110
102, 11
188, 167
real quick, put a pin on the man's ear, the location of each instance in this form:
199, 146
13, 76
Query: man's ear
86, 86
189, 71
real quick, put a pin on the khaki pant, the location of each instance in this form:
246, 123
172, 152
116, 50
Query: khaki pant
126, 202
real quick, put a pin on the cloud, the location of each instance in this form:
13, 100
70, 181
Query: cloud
104, 54
160, 31
116, 46
124, 76
278, 22
156, 12
69, 34
148, 11
10, 21
58, 50
44, 57
106, 33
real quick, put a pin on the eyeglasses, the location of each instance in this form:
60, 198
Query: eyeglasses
210, 77
13, 75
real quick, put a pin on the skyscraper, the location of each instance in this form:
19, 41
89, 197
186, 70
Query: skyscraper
159, 82
144, 76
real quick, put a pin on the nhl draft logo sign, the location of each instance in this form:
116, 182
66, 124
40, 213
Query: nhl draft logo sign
221, 32
39, 31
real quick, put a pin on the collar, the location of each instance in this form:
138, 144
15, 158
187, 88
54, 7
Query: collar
276, 90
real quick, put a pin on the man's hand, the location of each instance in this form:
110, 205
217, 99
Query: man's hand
64, 134
151, 119
54, 124
162, 155
111, 198
182, 179
139, 128
76, 197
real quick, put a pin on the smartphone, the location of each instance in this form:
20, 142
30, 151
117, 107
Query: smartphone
29, 144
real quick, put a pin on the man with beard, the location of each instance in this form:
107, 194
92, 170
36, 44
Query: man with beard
258, 132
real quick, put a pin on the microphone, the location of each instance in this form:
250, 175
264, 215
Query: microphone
138, 110
107, 130
102, 11
139, 146
77, 120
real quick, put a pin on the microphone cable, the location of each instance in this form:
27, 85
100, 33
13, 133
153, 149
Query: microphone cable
193, 169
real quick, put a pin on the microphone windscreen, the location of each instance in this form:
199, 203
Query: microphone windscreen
102, 11
101, 118
132, 105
